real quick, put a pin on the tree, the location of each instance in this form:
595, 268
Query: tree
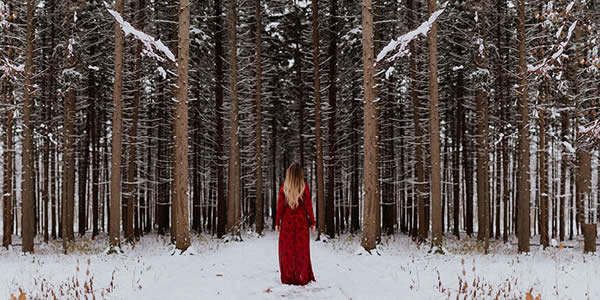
483, 185
28, 183
181, 130
371, 157
420, 189
260, 219
115, 175
217, 38
332, 54
68, 191
523, 176
434, 132
324, 210
233, 187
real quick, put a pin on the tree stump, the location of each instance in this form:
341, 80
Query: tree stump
589, 238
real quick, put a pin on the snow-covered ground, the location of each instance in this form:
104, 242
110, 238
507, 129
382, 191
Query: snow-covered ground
250, 270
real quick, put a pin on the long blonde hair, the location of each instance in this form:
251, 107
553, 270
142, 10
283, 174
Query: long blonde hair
293, 186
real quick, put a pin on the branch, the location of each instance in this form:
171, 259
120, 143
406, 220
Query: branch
403, 41
149, 42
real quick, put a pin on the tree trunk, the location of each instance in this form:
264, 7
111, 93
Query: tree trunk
68, 192
434, 134
28, 189
332, 54
115, 175
371, 157
221, 201
326, 222
181, 130
300, 99
420, 192
355, 226
260, 219
233, 188
543, 215
523, 186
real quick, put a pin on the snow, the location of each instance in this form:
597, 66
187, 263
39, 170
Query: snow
402, 42
250, 270
389, 72
8, 67
162, 72
149, 42
569, 7
546, 64
569, 147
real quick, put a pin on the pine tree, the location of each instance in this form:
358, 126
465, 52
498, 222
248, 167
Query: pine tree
371, 156
115, 178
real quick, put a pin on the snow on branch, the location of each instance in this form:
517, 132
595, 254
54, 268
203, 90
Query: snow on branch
149, 42
593, 130
547, 63
401, 43
9, 69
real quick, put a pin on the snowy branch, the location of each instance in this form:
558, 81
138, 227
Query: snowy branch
401, 43
8, 68
149, 42
547, 64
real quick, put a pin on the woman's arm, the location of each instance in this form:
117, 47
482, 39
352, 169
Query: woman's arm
280, 207
308, 206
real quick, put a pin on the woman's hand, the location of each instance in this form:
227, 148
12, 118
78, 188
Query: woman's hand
313, 228
277, 228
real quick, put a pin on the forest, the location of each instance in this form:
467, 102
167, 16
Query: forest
427, 121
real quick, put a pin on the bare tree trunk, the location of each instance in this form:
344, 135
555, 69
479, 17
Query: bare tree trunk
355, 226
28, 189
325, 211
221, 201
182, 234
371, 173
434, 134
233, 188
543, 215
523, 186
260, 218
8, 152
132, 167
420, 192
300, 99
115, 175
68, 192
332, 54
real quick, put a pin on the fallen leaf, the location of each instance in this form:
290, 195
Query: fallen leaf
268, 291
219, 275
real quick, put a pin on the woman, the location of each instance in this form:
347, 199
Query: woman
294, 216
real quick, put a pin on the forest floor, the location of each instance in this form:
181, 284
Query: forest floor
250, 270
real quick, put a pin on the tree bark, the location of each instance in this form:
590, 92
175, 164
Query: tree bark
68, 192
221, 201
233, 188
260, 219
28, 189
326, 222
543, 215
434, 134
371, 157
523, 184
181, 130
423, 227
115, 174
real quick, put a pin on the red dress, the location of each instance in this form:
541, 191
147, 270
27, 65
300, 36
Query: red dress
294, 250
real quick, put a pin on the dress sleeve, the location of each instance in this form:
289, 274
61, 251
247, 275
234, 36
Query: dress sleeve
280, 206
308, 206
